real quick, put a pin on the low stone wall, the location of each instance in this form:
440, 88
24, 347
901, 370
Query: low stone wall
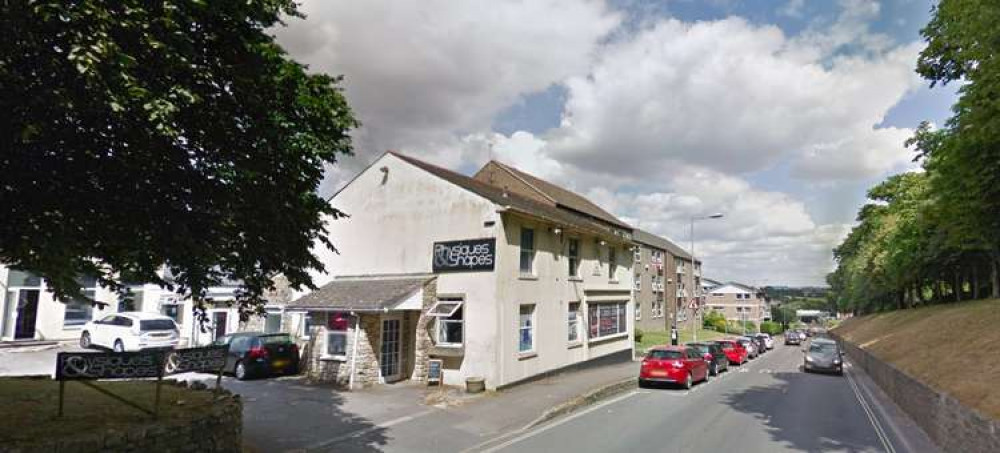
218, 429
948, 423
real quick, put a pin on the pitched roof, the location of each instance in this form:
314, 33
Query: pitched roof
652, 240
563, 197
512, 201
362, 293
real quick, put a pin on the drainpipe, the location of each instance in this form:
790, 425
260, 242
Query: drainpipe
354, 349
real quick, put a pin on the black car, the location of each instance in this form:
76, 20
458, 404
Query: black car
257, 354
716, 358
823, 355
792, 337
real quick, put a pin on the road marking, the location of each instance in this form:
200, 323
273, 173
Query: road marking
544, 428
362, 432
871, 415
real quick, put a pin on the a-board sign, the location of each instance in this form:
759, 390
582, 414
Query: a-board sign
467, 255
434, 370
205, 359
108, 365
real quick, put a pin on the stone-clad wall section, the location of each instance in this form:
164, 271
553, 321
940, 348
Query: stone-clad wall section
947, 422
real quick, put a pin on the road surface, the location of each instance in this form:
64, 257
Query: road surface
768, 405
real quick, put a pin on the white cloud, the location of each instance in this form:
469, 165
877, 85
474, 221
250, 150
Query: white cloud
733, 96
792, 9
418, 73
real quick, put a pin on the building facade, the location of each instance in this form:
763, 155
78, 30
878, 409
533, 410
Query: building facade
28, 311
501, 276
738, 302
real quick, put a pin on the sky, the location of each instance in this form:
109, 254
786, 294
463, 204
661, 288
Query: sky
779, 114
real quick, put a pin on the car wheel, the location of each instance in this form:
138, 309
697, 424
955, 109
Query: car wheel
688, 382
85, 340
715, 369
119, 346
642, 384
241, 371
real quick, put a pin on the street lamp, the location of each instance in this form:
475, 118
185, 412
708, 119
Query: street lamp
694, 291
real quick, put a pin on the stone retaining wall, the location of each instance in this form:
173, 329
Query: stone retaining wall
948, 423
218, 429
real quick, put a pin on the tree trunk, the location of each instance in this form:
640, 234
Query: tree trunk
994, 278
957, 289
975, 282
920, 293
938, 292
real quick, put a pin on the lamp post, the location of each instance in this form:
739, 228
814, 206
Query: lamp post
694, 291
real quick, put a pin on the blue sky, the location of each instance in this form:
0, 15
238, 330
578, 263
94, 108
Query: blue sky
779, 113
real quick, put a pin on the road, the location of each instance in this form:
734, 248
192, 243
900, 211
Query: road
768, 405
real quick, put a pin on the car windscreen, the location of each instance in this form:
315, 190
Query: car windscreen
701, 348
276, 339
823, 348
156, 324
664, 355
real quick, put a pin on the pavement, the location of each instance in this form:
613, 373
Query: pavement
766, 405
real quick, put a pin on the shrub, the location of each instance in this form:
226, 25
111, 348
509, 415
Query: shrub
638, 335
770, 327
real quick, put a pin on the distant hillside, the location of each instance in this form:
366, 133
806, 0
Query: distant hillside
950, 347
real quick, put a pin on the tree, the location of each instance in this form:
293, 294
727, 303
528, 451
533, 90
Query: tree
137, 135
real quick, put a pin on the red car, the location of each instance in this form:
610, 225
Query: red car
735, 352
674, 365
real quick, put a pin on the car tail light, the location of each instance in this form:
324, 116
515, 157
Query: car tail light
258, 352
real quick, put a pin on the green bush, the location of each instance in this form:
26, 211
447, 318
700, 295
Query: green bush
714, 320
638, 335
770, 327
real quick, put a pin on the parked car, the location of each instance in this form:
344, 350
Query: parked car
734, 351
752, 347
130, 331
713, 354
673, 364
823, 355
768, 341
759, 342
257, 354
792, 337
802, 335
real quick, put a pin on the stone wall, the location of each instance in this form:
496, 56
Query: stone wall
423, 342
321, 368
947, 422
216, 429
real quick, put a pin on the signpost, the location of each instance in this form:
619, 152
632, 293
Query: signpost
90, 366
465, 255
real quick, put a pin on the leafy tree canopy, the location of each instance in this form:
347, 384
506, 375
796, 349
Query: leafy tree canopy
140, 134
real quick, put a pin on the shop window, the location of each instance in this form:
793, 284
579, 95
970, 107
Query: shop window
573, 322
526, 329
336, 334
80, 310
608, 319
450, 321
527, 251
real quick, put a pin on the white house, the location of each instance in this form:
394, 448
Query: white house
28, 311
501, 276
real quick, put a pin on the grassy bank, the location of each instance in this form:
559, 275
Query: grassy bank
949, 347
32, 406
659, 338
